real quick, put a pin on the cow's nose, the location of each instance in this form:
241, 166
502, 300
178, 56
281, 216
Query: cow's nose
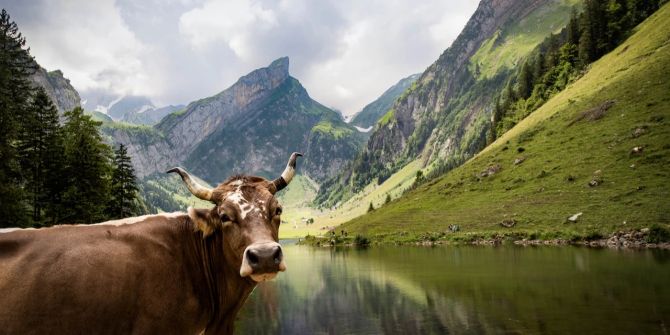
265, 258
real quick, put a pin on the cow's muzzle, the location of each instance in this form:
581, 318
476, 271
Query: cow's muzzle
262, 261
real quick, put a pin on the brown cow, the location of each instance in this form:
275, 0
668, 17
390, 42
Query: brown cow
180, 273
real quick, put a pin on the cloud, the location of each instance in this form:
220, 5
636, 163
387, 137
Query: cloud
88, 40
228, 21
345, 52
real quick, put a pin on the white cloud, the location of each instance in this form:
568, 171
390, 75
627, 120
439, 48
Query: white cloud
90, 42
345, 52
229, 21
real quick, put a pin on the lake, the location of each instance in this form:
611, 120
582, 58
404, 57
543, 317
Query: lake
463, 290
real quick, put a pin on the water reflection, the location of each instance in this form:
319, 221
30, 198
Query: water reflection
462, 290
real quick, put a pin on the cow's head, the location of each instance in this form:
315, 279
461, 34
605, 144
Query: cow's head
249, 215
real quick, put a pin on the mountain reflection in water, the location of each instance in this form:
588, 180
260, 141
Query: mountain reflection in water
417, 290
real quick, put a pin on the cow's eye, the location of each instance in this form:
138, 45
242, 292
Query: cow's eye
225, 217
278, 211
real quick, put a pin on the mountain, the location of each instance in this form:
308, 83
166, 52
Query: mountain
444, 117
99, 100
151, 115
371, 113
58, 88
129, 104
251, 127
600, 147
139, 110
99, 116
134, 109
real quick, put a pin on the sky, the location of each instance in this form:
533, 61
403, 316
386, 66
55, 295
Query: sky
346, 53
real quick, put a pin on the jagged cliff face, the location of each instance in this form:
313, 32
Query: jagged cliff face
444, 115
372, 112
58, 88
448, 77
251, 127
204, 117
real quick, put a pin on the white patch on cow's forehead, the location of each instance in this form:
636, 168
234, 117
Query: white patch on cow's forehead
237, 197
244, 206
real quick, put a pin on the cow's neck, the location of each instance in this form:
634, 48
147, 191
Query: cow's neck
223, 291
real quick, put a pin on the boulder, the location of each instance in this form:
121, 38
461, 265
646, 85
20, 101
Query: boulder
639, 131
491, 170
575, 217
508, 223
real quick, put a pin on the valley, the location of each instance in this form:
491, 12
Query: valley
417, 161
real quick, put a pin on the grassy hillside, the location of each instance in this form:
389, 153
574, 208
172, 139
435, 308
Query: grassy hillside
443, 117
301, 192
164, 192
570, 142
507, 46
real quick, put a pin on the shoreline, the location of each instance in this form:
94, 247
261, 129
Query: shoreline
641, 239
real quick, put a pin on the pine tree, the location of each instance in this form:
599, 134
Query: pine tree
573, 28
493, 133
16, 65
641, 9
39, 151
595, 10
507, 98
587, 49
617, 22
123, 201
538, 66
525, 81
55, 165
88, 169
371, 207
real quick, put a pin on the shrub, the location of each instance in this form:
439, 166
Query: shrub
658, 234
361, 241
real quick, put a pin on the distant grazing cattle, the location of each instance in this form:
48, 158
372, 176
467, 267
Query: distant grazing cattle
179, 273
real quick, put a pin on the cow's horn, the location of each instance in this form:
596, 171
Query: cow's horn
288, 173
198, 190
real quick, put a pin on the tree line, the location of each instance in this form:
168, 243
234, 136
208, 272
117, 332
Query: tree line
53, 169
561, 58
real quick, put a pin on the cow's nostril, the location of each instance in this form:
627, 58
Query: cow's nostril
252, 257
277, 255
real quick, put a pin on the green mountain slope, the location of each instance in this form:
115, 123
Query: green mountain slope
585, 135
443, 118
372, 112
258, 141
249, 128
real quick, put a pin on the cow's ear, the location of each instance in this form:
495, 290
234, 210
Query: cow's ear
203, 220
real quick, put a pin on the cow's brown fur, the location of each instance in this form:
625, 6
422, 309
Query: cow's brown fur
175, 274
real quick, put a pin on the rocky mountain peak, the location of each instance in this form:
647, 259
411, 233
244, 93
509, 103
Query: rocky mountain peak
250, 127
267, 78
57, 87
280, 64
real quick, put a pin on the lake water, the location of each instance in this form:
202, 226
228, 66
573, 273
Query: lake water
463, 290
